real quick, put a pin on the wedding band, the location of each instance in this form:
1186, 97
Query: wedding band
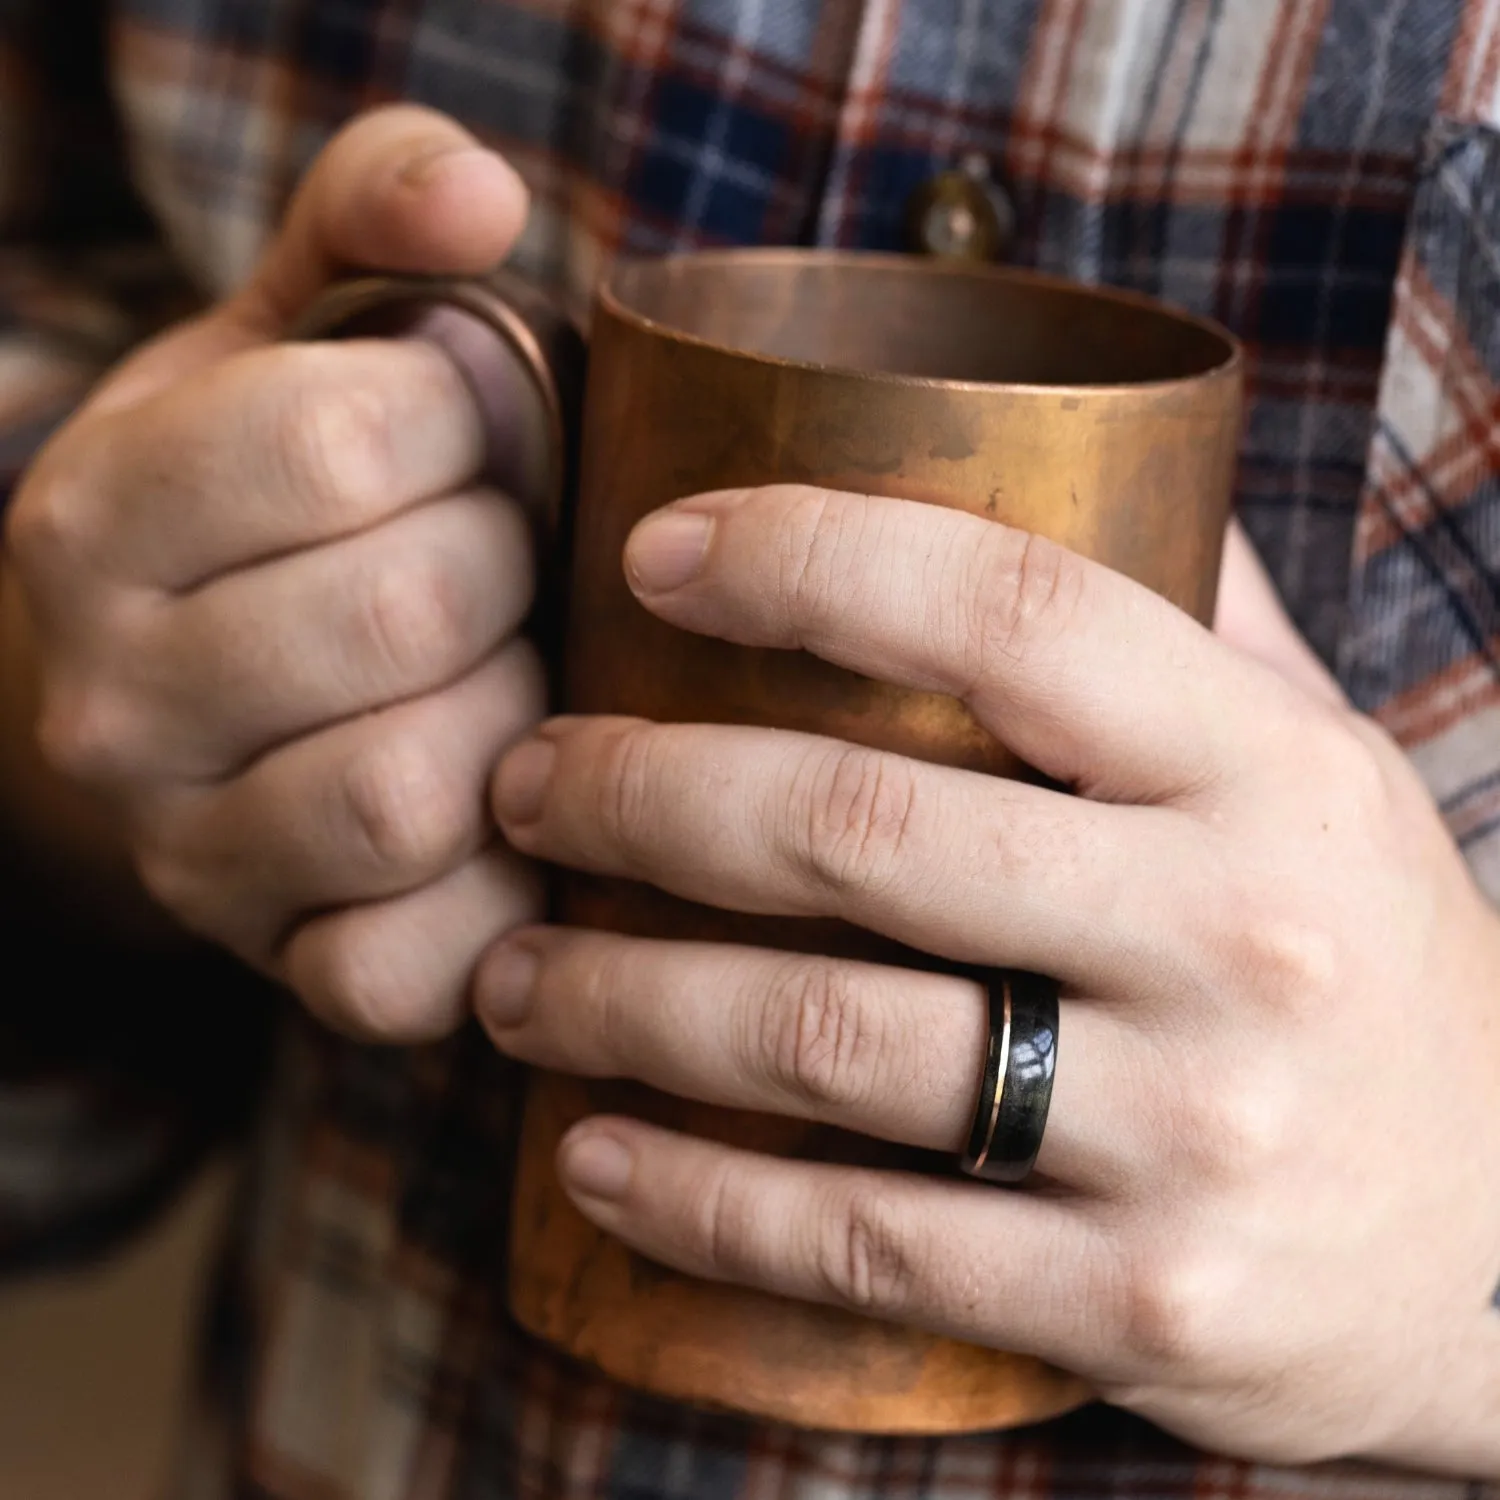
1015, 1091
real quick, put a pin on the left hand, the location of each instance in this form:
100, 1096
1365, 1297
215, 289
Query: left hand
1272, 1224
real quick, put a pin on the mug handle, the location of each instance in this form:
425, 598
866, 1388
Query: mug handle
522, 356
524, 361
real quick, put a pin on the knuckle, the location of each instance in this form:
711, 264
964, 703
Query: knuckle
83, 734
865, 1260
822, 1045
857, 818
1037, 588
192, 886
1296, 961
1174, 1311
809, 538
169, 881
1254, 1123
594, 976
726, 1224
49, 525
333, 441
628, 774
1239, 1130
342, 971
405, 818
1283, 950
417, 621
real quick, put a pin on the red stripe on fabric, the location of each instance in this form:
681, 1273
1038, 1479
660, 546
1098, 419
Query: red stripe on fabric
465, 1315
856, 128
1477, 813
1075, 165
327, 1159
1346, 378
1447, 474
1260, 170
877, 89
1441, 702
812, 120
1194, 28
1474, 64
1224, 1479
1042, 92
1208, 177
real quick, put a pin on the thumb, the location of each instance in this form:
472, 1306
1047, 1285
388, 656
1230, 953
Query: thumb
401, 189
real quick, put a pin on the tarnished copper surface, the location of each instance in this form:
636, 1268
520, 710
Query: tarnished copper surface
1095, 418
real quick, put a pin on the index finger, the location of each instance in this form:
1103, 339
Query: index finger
1084, 674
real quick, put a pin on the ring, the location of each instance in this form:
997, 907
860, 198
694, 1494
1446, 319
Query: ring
1016, 1089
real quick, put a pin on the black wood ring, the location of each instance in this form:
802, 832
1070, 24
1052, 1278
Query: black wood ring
1016, 1089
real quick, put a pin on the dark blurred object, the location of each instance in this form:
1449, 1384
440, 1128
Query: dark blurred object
67, 129
105, 280
120, 1073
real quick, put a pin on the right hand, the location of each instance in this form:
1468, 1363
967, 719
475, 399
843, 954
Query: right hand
274, 610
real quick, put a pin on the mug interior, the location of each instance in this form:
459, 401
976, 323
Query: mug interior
916, 318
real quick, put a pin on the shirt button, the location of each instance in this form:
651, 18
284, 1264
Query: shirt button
962, 214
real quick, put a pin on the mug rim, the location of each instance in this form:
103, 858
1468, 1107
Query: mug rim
610, 298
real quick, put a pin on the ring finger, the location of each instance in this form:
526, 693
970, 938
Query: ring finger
884, 1052
970, 867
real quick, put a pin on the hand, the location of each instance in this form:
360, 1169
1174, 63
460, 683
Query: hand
1267, 1215
274, 608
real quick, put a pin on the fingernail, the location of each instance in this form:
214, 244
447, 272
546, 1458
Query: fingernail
431, 167
521, 786
667, 551
506, 982
596, 1165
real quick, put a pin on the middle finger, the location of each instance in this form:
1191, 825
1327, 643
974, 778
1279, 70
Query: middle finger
955, 863
328, 634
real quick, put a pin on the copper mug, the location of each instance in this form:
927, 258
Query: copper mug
1097, 418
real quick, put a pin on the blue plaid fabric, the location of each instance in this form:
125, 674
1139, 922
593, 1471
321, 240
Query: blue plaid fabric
1321, 175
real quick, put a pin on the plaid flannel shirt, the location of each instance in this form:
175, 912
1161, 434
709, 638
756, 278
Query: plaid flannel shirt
1321, 175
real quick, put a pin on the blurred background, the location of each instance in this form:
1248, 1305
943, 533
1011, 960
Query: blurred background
94, 1366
